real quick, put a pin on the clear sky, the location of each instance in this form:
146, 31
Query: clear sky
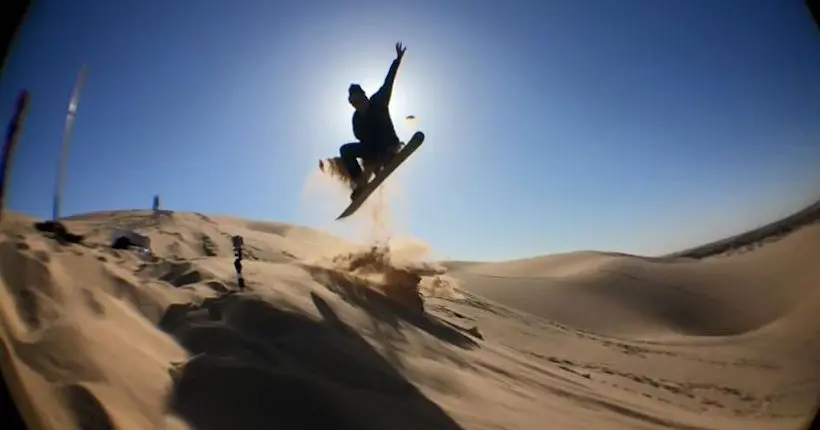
641, 126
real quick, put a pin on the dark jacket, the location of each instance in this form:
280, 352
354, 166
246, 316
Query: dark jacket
374, 127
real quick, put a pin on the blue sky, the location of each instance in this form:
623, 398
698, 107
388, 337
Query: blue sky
640, 126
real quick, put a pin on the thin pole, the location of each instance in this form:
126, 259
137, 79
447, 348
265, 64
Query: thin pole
12, 136
69, 123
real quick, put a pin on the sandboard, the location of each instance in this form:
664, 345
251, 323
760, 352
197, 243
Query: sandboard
381, 175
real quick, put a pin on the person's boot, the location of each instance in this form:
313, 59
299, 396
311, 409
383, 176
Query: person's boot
392, 151
358, 185
388, 155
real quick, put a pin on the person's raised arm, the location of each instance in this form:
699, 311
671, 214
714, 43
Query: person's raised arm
384, 93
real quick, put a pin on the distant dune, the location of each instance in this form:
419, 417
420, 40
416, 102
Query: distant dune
757, 237
330, 334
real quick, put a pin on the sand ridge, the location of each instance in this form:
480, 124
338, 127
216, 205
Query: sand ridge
330, 333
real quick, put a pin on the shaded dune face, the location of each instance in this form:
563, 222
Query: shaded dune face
306, 373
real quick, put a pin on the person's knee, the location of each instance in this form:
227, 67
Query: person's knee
348, 150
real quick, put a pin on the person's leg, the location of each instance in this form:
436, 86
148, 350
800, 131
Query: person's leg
350, 152
386, 151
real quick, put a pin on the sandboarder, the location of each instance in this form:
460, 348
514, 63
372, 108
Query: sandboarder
373, 127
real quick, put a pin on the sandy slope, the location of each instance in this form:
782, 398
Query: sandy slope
100, 337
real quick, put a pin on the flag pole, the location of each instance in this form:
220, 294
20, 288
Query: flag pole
69, 123
10, 144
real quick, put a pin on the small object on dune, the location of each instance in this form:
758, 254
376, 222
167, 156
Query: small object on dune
238, 242
145, 254
121, 243
124, 238
58, 232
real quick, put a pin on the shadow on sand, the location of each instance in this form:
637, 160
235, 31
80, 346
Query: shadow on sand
9, 413
255, 365
386, 310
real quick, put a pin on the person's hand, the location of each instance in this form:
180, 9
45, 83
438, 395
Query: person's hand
400, 51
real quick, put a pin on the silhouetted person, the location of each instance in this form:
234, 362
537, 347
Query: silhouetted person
373, 127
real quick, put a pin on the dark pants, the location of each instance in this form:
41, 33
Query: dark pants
350, 152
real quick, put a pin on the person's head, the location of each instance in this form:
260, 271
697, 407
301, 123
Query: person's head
357, 97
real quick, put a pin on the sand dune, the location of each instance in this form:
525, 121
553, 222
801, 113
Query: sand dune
621, 294
330, 334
